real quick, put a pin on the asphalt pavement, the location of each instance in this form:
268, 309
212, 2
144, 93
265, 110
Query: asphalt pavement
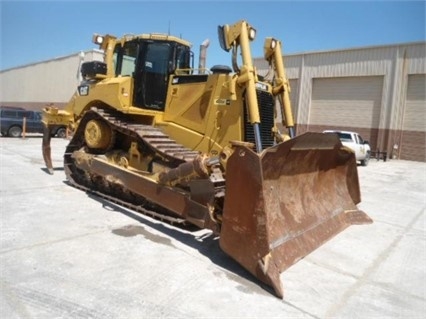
67, 254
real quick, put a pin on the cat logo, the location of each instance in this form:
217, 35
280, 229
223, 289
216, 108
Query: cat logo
222, 102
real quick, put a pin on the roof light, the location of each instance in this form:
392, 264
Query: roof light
98, 39
252, 34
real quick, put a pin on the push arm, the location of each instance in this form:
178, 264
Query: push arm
240, 35
273, 54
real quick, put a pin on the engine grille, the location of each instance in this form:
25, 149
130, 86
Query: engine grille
266, 109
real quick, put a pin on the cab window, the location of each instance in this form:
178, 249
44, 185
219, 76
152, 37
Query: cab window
182, 57
124, 58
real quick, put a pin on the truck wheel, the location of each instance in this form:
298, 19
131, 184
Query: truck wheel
366, 160
14, 131
61, 132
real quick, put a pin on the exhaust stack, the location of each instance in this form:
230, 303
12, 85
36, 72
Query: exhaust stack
202, 60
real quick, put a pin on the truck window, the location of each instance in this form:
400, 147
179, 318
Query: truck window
11, 114
28, 115
344, 137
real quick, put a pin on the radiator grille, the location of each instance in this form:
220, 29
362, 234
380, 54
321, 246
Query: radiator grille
266, 109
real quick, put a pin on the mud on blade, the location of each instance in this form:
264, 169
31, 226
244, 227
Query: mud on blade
286, 202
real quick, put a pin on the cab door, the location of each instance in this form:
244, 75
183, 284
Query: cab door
360, 147
152, 75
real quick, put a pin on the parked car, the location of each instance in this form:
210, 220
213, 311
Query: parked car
356, 143
12, 120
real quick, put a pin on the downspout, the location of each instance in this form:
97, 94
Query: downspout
403, 99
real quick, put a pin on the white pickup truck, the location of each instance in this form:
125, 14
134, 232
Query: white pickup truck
355, 142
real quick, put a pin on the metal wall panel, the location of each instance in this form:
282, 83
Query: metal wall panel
49, 81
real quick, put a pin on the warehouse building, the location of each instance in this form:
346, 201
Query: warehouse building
34, 85
377, 91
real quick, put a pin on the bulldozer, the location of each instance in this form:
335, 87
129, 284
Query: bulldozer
202, 147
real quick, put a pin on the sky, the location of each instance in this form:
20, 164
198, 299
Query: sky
34, 31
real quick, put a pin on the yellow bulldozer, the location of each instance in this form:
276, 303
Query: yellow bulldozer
201, 147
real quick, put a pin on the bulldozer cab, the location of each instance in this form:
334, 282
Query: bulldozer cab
150, 63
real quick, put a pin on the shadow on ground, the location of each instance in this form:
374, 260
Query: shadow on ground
207, 243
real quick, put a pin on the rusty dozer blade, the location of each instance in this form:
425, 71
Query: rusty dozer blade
284, 203
46, 148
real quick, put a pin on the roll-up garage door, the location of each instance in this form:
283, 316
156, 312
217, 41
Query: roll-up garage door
346, 102
414, 125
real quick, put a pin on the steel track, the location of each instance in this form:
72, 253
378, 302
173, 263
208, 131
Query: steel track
148, 137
